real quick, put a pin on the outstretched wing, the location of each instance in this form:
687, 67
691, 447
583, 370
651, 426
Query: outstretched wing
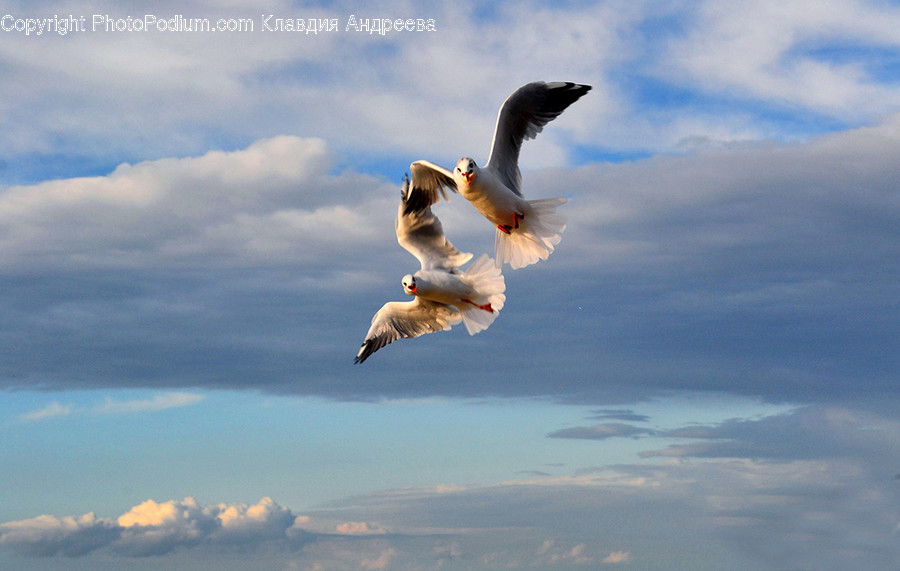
420, 232
406, 319
427, 180
522, 116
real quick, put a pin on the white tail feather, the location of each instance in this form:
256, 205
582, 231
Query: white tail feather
487, 281
538, 233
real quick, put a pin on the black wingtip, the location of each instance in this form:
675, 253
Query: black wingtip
404, 190
415, 202
365, 351
570, 92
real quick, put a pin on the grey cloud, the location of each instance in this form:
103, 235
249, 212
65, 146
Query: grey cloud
833, 508
626, 415
154, 529
808, 433
602, 431
767, 272
46, 536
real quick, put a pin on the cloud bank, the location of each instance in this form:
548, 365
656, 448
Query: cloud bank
663, 76
765, 271
810, 488
153, 529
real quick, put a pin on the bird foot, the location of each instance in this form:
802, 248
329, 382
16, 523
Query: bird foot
505, 228
487, 306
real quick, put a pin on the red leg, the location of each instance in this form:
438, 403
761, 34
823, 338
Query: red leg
487, 307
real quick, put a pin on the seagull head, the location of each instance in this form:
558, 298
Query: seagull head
465, 169
409, 284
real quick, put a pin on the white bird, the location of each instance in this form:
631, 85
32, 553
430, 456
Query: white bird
444, 296
527, 230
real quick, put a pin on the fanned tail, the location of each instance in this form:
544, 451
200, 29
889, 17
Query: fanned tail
487, 281
538, 233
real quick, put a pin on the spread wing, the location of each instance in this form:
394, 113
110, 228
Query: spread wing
522, 116
420, 232
406, 319
427, 180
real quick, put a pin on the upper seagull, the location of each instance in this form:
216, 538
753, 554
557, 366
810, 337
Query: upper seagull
443, 295
527, 230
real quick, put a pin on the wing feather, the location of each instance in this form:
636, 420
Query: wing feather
522, 116
406, 319
420, 232
428, 179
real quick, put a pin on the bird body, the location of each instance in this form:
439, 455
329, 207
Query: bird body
527, 230
487, 193
443, 294
476, 293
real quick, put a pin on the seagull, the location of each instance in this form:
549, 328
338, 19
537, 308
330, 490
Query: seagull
443, 294
527, 230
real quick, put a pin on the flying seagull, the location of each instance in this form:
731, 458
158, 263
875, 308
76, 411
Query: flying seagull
527, 230
443, 294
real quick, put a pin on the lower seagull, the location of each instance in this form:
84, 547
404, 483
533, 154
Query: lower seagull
444, 295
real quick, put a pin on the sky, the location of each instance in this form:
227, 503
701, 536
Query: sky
196, 229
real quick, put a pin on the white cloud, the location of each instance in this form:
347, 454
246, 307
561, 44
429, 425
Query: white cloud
52, 410
779, 52
153, 529
157, 403
833, 508
382, 562
617, 557
270, 203
359, 528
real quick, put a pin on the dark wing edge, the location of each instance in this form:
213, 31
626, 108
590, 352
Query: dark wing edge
428, 179
522, 116
403, 320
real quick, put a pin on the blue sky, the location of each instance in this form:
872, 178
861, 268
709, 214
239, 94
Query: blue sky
196, 229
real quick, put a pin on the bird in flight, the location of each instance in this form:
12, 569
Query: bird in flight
527, 230
443, 294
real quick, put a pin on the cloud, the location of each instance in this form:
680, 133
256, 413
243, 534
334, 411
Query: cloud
153, 529
253, 204
661, 75
810, 433
617, 557
601, 431
626, 415
383, 562
765, 271
157, 403
358, 528
553, 554
52, 410
790, 55
48, 535
832, 507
